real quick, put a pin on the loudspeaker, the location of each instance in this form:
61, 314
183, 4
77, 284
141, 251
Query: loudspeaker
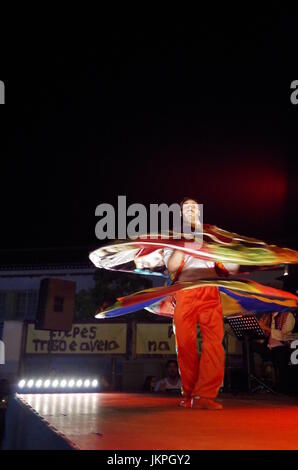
56, 304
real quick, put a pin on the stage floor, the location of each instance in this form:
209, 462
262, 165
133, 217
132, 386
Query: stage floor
142, 421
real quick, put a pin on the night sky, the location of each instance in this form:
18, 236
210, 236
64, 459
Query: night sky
154, 114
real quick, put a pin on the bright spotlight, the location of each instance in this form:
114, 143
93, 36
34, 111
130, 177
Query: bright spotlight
22, 383
38, 383
30, 383
55, 383
47, 383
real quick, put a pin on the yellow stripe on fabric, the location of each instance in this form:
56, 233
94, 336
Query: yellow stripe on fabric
230, 306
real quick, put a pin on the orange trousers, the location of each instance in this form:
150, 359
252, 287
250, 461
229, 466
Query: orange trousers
200, 376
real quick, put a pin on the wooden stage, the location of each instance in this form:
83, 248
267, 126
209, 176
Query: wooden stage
141, 421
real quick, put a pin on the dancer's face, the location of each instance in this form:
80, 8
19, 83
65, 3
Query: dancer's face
191, 212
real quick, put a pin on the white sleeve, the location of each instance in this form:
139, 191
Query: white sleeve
231, 267
167, 253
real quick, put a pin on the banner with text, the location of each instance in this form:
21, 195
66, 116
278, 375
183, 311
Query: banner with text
82, 339
153, 338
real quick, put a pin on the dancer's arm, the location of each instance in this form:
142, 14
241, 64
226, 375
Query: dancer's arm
175, 261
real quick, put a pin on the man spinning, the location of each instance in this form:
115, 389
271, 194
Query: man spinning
198, 292
201, 377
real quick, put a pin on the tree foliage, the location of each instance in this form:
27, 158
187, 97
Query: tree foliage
108, 286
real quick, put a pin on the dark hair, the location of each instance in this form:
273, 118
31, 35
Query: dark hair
188, 199
147, 383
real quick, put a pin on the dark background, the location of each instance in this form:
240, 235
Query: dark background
154, 112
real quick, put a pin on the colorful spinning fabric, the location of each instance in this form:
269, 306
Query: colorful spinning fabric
237, 296
145, 256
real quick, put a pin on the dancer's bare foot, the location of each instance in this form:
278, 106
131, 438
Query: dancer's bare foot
205, 404
185, 403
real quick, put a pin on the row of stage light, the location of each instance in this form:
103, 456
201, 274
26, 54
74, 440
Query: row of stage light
56, 385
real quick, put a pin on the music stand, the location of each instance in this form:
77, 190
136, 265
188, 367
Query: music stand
246, 328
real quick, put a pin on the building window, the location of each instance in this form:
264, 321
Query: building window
32, 301
26, 304
21, 305
2, 303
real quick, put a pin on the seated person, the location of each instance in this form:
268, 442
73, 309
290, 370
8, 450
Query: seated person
277, 326
149, 384
172, 381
